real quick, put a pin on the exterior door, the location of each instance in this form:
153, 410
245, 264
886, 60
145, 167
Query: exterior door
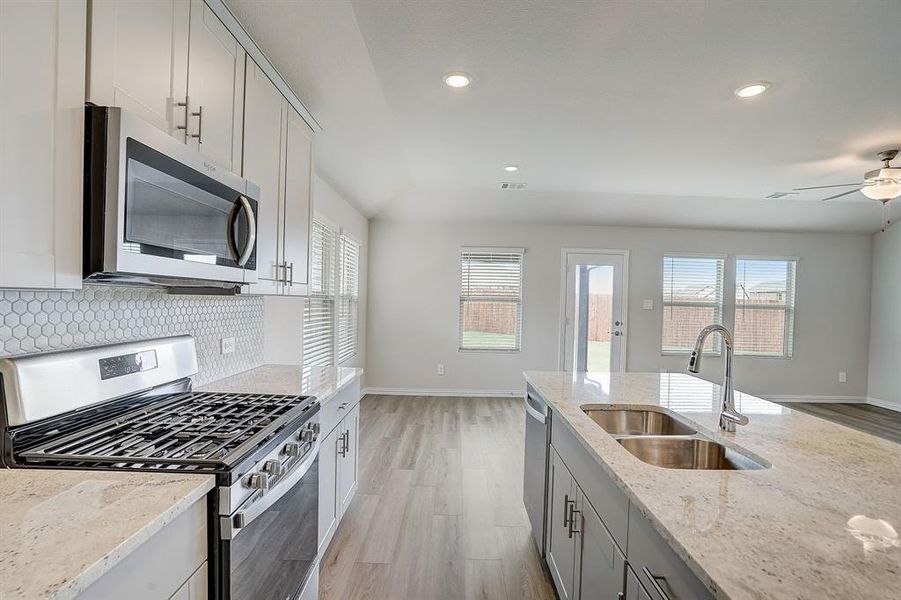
215, 88
560, 544
594, 312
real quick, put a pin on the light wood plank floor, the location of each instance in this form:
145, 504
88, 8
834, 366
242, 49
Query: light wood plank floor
874, 420
438, 513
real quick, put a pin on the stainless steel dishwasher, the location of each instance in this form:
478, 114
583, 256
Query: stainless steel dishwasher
534, 488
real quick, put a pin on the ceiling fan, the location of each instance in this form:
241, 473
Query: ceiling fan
883, 184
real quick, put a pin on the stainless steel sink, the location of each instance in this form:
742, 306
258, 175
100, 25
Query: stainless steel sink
687, 453
636, 421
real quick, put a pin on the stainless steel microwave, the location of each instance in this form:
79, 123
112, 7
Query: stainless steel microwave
158, 212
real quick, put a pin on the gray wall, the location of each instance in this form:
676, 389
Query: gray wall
35, 321
885, 319
414, 291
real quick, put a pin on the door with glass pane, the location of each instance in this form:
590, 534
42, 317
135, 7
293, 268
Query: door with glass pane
594, 312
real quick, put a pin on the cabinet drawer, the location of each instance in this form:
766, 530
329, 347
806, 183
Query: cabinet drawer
335, 408
657, 566
608, 500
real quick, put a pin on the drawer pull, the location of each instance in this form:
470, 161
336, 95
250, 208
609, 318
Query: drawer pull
566, 510
654, 583
572, 520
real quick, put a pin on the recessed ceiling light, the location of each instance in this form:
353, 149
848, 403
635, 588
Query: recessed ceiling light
511, 168
755, 88
457, 79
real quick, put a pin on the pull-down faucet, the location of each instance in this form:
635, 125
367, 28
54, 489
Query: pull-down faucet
729, 416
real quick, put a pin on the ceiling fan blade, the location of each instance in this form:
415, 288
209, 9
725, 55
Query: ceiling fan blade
821, 187
840, 195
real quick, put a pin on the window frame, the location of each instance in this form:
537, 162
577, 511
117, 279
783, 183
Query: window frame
788, 334
329, 298
463, 251
717, 341
352, 299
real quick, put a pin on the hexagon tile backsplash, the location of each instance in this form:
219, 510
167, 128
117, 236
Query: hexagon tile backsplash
40, 321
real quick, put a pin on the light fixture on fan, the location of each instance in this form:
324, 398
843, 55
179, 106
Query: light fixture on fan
882, 185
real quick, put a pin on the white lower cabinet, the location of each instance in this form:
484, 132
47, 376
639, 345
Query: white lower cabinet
561, 548
339, 460
42, 66
171, 564
600, 566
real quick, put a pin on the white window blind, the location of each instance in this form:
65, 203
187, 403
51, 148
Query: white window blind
319, 307
764, 306
348, 296
491, 299
692, 299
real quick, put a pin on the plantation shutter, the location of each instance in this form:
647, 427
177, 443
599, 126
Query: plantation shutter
491, 299
348, 297
764, 306
319, 307
692, 299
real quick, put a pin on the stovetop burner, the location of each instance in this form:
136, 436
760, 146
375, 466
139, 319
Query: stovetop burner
194, 430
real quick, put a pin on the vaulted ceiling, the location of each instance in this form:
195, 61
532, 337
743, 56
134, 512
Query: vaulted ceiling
616, 112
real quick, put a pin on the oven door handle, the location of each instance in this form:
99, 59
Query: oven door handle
242, 204
232, 525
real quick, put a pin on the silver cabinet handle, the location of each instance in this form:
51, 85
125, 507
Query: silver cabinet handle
343, 450
184, 127
199, 134
566, 502
572, 520
251, 231
654, 583
290, 278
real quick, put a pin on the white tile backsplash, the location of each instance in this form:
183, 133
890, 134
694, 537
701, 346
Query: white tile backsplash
39, 321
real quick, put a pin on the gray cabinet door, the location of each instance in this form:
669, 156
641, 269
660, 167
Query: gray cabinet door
634, 589
601, 566
561, 546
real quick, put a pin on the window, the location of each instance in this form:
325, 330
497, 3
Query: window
348, 296
764, 306
319, 307
491, 299
692, 299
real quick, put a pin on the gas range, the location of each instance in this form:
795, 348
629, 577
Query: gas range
130, 407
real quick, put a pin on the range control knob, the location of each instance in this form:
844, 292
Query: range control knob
273, 467
307, 435
257, 481
292, 449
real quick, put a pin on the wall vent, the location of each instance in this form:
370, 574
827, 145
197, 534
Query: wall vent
508, 185
777, 195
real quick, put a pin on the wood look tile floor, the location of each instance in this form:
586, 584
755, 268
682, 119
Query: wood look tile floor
874, 420
438, 513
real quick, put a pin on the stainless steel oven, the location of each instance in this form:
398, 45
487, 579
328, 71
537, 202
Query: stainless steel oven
269, 541
159, 212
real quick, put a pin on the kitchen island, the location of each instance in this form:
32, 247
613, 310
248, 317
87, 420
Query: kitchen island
820, 520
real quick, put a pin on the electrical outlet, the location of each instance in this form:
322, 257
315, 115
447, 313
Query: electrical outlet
227, 345
842, 377
440, 369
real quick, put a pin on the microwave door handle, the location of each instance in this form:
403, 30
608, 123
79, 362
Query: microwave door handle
243, 204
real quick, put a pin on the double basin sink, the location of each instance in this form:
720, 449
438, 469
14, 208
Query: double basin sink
661, 439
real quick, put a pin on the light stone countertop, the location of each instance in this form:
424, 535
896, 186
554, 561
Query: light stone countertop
60, 531
322, 382
808, 527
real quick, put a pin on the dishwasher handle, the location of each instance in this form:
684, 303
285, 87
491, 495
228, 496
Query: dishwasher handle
536, 412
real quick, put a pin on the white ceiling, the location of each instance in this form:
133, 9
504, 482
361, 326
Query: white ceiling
617, 112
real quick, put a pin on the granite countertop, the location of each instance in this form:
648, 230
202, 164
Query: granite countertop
822, 522
62, 530
322, 382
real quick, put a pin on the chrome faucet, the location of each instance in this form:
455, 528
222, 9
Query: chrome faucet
729, 416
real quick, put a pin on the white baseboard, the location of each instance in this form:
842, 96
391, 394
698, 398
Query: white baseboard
884, 404
798, 398
443, 392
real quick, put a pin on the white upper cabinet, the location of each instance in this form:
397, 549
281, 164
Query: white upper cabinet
215, 88
264, 111
42, 66
278, 157
174, 64
139, 59
298, 202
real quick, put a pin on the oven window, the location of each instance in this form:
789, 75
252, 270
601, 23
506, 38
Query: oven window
271, 557
176, 212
